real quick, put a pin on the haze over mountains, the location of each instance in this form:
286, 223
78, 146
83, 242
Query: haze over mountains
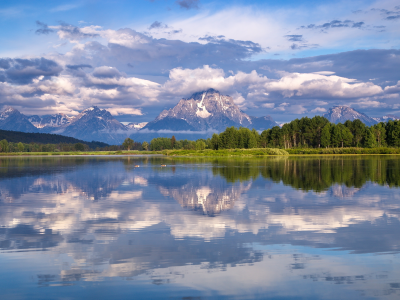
198, 116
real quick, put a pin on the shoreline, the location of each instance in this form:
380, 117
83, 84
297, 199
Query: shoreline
256, 152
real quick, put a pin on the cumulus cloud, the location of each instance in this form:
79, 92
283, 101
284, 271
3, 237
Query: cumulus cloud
393, 88
23, 71
318, 110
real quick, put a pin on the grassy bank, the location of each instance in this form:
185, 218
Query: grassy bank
275, 151
227, 152
353, 150
133, 152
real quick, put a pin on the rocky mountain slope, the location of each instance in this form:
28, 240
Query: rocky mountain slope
387, 118
340, 114
204, 111
94, 124
50, 121
12, 119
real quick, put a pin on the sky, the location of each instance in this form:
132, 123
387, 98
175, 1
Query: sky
287, 59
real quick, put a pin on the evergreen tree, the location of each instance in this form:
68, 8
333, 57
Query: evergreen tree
369, 139
173, 141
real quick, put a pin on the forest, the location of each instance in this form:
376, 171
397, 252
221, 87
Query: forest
316, 132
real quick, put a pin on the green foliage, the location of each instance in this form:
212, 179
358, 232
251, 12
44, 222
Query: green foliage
304, 133
160, 143
228, 152
128, 144
79, 147
44, 138
145, 146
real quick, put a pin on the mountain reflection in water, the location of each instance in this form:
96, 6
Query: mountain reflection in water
289, 227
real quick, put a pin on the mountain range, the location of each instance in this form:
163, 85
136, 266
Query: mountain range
198, 116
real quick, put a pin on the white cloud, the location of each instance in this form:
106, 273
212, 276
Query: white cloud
318, 110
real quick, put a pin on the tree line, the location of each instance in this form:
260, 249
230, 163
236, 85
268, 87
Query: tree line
8, 147
316, 132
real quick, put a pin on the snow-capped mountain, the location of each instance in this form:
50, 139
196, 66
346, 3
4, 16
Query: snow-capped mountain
12, 119
94, 124
202, 111
51, 121
207, 110
340, 114
387, 118
136, 126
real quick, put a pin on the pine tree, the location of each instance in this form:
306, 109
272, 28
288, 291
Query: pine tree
369, 139
173, 141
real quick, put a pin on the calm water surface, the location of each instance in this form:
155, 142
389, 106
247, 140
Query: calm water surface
278, 228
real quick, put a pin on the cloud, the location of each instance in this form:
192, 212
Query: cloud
43, 28
116, 111
294, 37
188, 4
73, 33
303, 46
335, 24
393, 89
23, 71
78, 67
318, 110
106, 72
156, 25
396, 17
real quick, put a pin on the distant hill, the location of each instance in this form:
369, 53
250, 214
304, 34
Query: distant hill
44, 138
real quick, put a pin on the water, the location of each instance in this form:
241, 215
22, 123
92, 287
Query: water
277, 228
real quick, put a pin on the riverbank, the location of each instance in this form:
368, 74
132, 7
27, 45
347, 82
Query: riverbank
132, 152
228, 152
282, 152
257, 152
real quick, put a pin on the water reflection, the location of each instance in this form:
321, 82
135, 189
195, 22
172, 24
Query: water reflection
200, 225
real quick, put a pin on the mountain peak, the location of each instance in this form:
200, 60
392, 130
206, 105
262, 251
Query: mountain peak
91, 108
342, 113
8, 109
199, 95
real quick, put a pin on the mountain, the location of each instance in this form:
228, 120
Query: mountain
340, 114
387, 118
12, 119
202, 111
94, 124
199, 116
136, 126
50, 121
262, 123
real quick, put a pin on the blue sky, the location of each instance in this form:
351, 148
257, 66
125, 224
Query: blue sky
286, 59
